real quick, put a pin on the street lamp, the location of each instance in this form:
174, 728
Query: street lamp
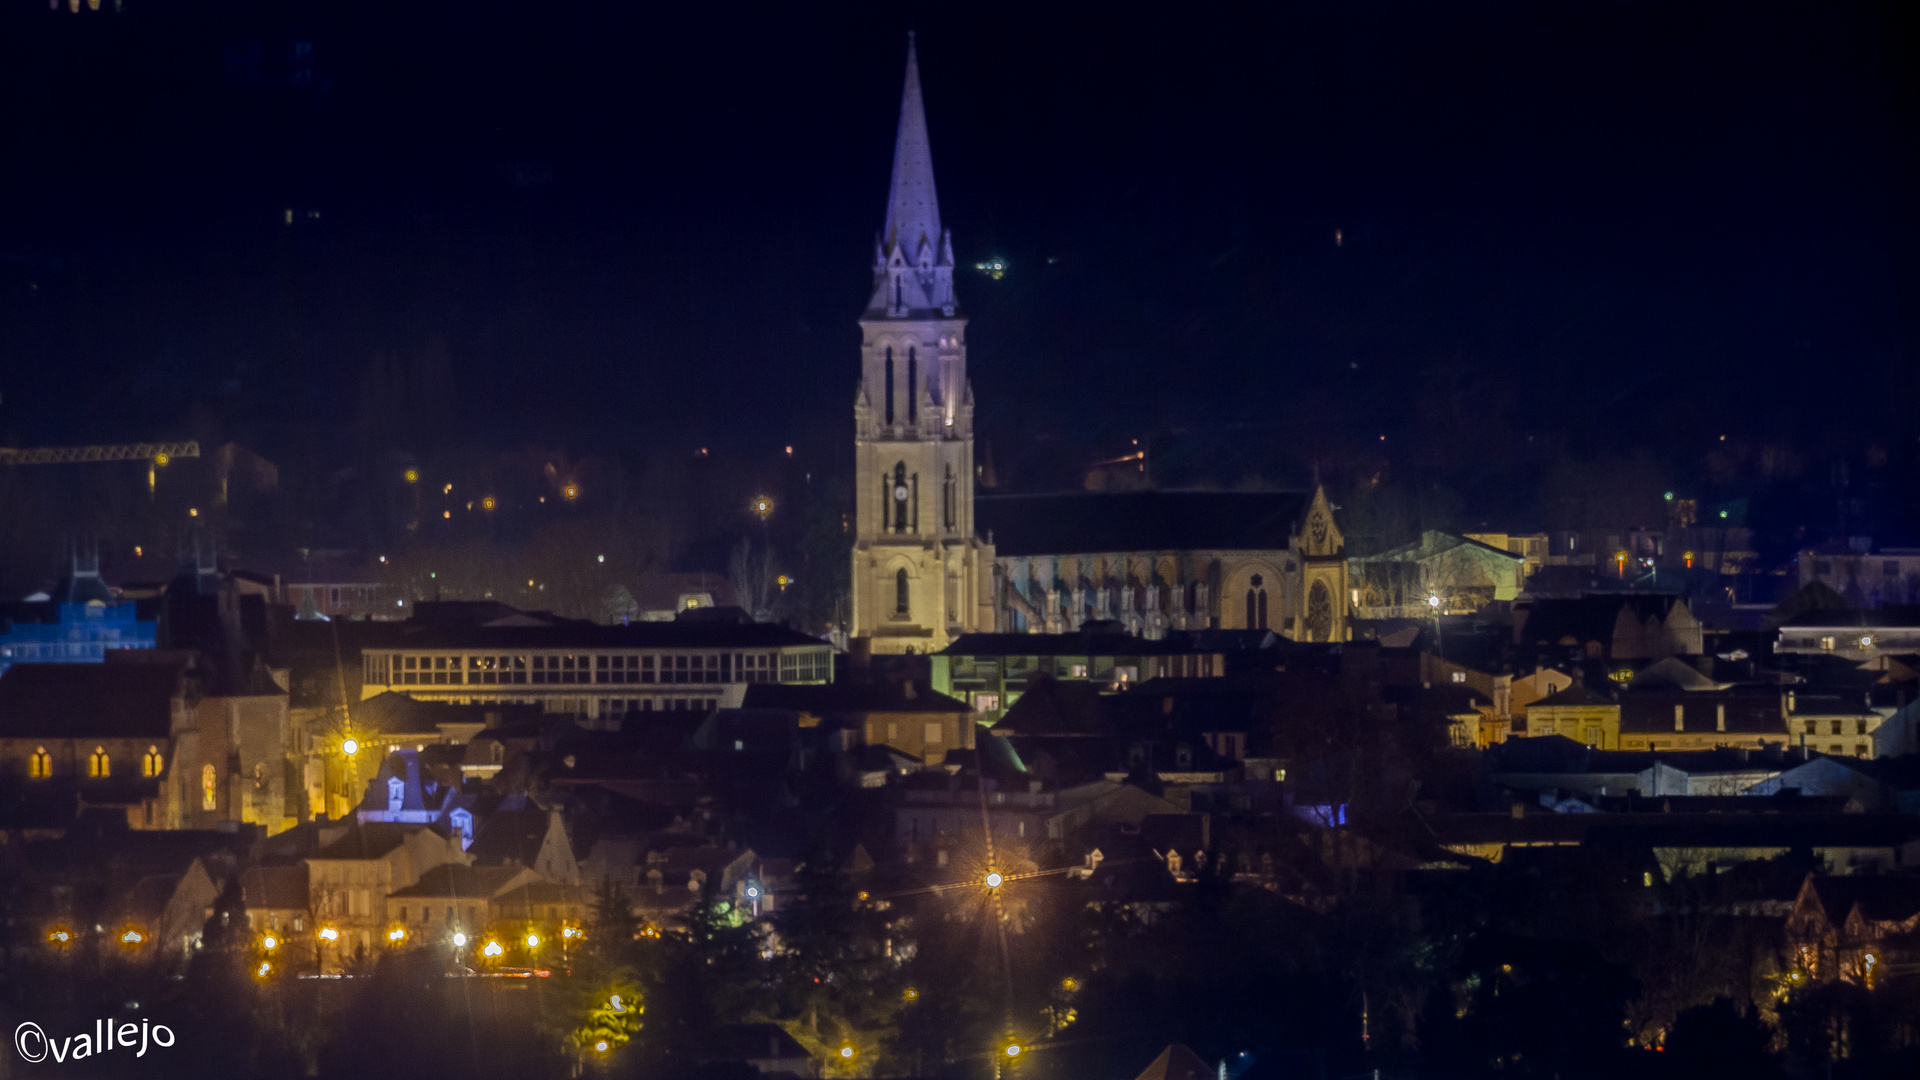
459, 939
269, 942
350, 747
533, 941
994, 879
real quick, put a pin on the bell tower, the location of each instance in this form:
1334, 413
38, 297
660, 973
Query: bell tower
919, 572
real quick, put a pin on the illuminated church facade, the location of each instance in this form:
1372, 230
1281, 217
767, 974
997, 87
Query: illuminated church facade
932, 562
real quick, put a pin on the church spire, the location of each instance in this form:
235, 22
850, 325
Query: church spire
913, 266
913, 210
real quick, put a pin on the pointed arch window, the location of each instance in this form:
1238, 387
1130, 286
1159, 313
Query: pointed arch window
151, 764
900, 591
899, 496
913, 385
889, 384
40, 764
946, 499
1257, 604
98, 764
208, 790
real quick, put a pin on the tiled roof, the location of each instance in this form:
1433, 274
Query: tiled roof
451, 881
850, 698
1083, 522
113, 700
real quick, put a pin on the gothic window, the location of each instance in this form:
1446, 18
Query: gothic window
97, 763
913, 385
1257, 604
889, 384
259, 776
899, 495
207, 788
946, 499
900, 591
40, 764
152, 763
1319, 612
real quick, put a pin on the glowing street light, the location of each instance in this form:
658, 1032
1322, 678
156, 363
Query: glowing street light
131, 937
413, 476
571, 491
59, 937
763, 506
350, 747
493, 949
1013, 1050
846, 1053
602, 1046
328, 933
1433, 601
459, 940
533, 941
994, 879
397, 934
269, 942
263, 970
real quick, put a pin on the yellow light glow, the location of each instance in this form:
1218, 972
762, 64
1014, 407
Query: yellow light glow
193, 511
448, 514
846, 1051
1013, 1050
269, 942
328, 933
448, 490
459, 940
601, 1046
350, 747
263, 971
487, 503
413, 476
493, 949
569, 932
161, 460
912, 994
131, 936
571, 491
137, 553
59, 936
398, 933
994, 879
533, 941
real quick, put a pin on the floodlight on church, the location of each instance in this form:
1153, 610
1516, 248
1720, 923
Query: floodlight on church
328, 933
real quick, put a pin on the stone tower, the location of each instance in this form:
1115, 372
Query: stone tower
919, 574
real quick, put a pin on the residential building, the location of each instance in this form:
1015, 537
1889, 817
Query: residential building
1672, 706
1866, 575
351, 878
1833, 724
991, 671
1860, 636
1613, 626
278, 898
455, 898
1580, 713
902, 716
1853, 928
1530, 547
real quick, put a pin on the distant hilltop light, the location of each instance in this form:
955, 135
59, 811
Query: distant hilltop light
993, 268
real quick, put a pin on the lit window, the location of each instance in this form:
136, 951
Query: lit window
1460, 676
151, 765
97, 763
208, 791
40, 765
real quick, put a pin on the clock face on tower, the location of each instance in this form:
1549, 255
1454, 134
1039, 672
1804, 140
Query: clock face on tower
899, 493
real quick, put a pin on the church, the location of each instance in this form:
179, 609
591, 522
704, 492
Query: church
932, 561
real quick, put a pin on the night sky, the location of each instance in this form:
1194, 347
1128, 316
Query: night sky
1606, 226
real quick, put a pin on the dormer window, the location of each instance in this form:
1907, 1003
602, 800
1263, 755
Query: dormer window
396, 793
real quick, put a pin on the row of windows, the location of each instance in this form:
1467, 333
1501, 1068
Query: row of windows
99, 763
1834, 727
601, 669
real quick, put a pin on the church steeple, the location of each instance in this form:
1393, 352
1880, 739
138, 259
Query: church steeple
913, 262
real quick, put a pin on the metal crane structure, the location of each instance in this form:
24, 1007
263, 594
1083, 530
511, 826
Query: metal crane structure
156, 455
